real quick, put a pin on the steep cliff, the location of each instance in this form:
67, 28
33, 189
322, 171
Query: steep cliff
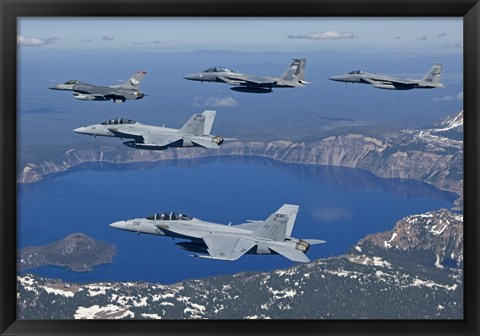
433, 155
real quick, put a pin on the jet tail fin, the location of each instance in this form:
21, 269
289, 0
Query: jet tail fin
433, 76
296, 71
199, 124
278, 224
134, 80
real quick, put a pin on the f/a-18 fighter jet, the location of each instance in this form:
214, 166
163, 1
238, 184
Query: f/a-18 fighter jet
128, 90
292, 77
431, 80
227, 242
195, 133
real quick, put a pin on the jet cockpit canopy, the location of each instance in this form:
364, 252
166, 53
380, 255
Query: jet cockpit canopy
118, 121
72, 82
356, 72
169, 216
218, 69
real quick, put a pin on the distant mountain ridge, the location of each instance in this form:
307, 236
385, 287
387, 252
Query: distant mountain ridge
403, 273
454, 122
436, 234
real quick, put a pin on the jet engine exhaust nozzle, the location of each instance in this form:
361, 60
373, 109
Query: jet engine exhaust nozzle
302, 246
218, 140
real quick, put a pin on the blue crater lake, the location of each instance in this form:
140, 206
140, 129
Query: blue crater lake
339, 205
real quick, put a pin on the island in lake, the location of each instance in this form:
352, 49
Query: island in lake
77, 251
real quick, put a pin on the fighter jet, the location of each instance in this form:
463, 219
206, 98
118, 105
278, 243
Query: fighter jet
292, 77
227, 242
195, 133
128, 90
429, 81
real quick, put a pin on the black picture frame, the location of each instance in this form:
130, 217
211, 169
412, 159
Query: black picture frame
12, 9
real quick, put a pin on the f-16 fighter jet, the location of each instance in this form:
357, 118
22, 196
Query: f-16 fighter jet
429, 81
128, 90
195, 133
292, 77
227, 242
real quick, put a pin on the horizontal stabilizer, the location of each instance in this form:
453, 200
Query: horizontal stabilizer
290, 253
314, 241
205, 142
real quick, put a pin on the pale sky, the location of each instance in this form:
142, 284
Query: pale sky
241, 34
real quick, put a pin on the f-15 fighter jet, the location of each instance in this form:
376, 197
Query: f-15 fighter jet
292, 77
128, 90
227, 242
195, 133
431, 80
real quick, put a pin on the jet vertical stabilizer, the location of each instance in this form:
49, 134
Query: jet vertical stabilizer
434, 74
275, 226
134, 81
301, 74
199, 123
209, 118
293, 71
292, 211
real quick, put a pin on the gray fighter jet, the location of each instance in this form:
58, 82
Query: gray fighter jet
292, 77
195, 133
429, 81
128, 90
227, 242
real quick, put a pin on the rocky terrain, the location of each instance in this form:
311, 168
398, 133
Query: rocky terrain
433, 155
78, 252
412, 272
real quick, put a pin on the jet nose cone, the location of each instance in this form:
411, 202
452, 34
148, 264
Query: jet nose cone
62, 87
81, 130
118, 225
336, 78
191, 77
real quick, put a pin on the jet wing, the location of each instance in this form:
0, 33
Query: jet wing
290, 253
162, 140
231, 80
175, 231
389, 80
137, 137
225, 247
252, 80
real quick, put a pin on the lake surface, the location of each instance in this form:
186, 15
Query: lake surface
339, 205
